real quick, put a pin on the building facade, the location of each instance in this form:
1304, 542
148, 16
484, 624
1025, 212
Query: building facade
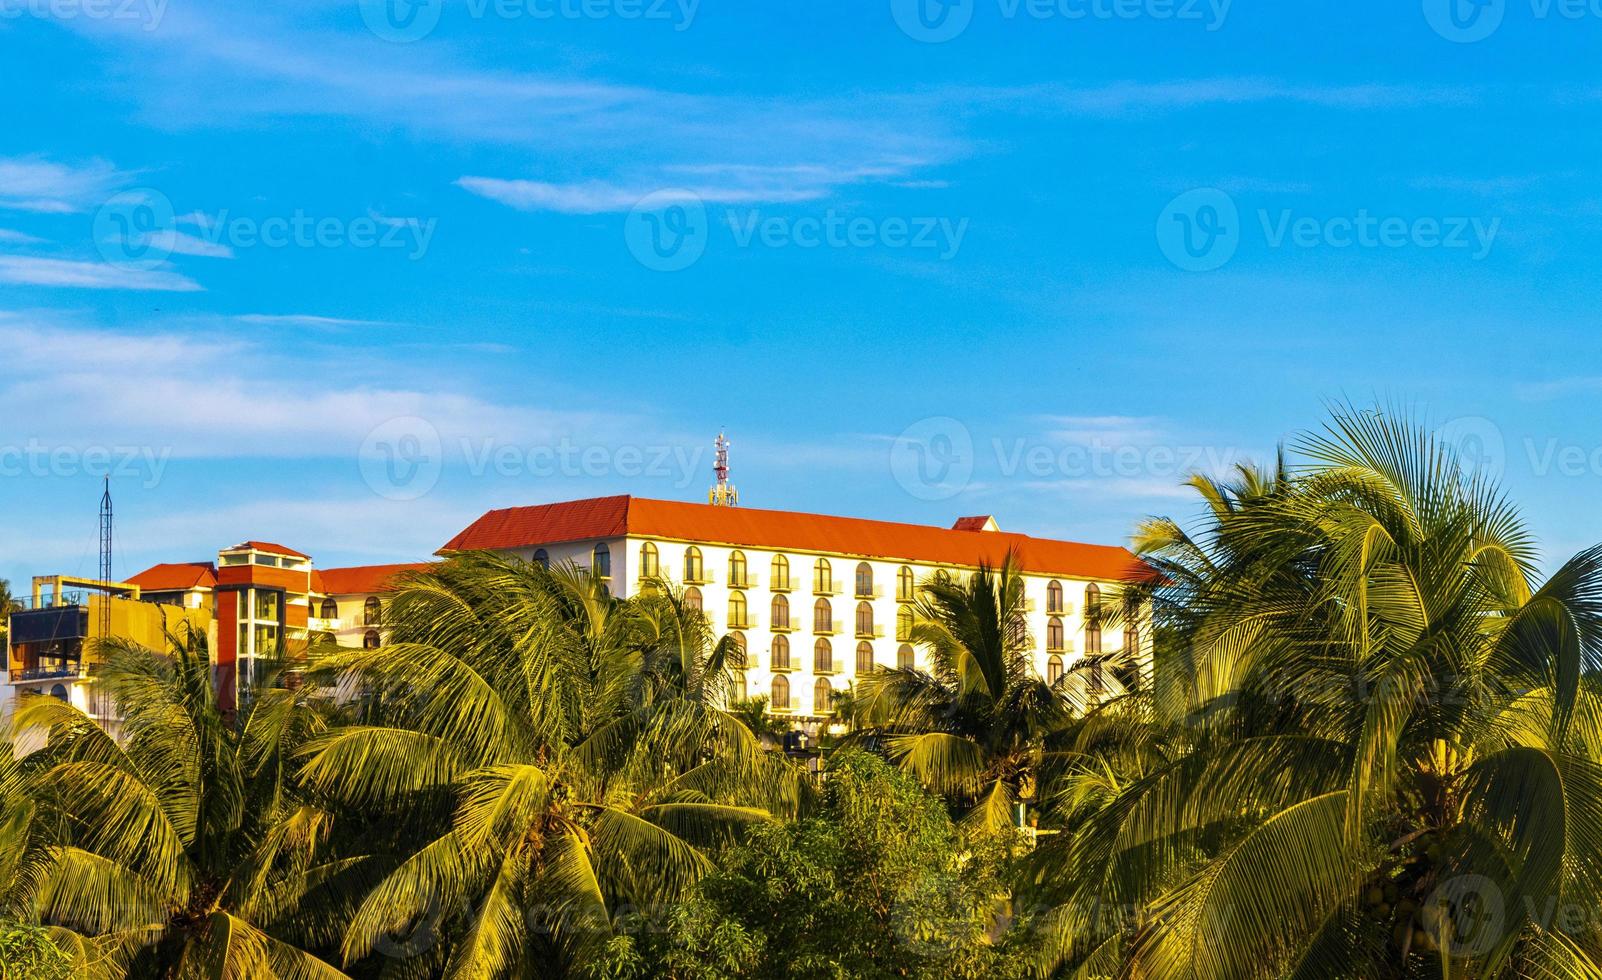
816, 601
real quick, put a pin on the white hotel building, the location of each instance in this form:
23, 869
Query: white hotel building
815, 600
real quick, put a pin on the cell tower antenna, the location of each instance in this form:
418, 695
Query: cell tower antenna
723, 493
105, 559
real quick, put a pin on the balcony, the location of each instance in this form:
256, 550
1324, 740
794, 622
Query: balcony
782, 626
46, 673
781, 583
825, 629
784, 668
745, 581
702, 577
871, 592
869, 632
321, 625
825, 670
825, 588
746, 622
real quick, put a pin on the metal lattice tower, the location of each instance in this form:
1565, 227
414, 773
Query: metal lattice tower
105, 559
723, 493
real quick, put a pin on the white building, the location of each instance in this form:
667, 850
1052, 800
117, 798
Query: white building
815, 600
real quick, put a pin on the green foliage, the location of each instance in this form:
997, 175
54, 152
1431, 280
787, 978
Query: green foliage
878, 884
26, 953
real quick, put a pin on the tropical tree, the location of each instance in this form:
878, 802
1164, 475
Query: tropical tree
878, 883
974, 725
180, 847
8, 605
555, 752
1370, 745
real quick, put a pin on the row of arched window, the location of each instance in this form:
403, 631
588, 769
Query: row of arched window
823, 655
694, 572
779, 694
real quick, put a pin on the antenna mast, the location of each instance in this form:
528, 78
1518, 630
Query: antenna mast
105, 560
723, 493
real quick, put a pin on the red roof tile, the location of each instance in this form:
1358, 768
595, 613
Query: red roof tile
611, 517
270, 548
172, 576
361, 579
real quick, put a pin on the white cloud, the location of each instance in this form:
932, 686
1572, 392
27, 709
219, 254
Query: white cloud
33, 271
306, 320
36, 184
18, 238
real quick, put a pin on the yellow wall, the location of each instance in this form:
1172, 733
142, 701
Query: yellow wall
143, 622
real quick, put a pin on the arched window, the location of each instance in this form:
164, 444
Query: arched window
372, 612
822, 617
906, 587
692, 598
905, 659
542, 558
779, 613
865, 657
737, 650
650, 561
864, 580
822, 656
737, 570
330, 610
904, 623
822, 698
737, 688
1053, 670
1054, 635
370, 640
1054, 597
779, 658
1092, 618
822, 577
1132, 638
601, 560
737, 620
692, 565
865, 619
779, 573
59, 692
781, 694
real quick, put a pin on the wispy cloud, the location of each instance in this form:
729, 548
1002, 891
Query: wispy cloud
307, 320
18, 238
37, 184
33, 271
1130, 97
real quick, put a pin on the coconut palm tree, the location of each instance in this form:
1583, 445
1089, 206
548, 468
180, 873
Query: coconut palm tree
182, 848
1372, 744
974, 725
562, 752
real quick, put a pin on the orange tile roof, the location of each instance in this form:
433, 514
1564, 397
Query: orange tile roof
778, 530
171, 576
270, 548
361, 579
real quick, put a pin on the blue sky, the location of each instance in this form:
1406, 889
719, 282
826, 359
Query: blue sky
343, 275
